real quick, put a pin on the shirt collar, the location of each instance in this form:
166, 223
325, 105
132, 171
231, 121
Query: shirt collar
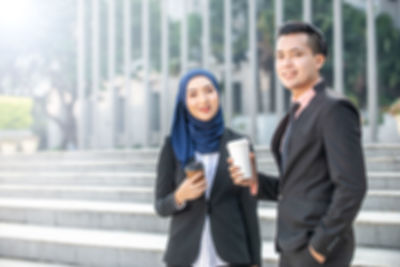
304, 100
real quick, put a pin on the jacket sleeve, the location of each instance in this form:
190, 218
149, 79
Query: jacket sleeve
248, 206
268, 186
165, 204
342, 143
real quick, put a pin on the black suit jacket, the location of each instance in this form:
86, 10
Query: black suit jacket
324, 182
232, 211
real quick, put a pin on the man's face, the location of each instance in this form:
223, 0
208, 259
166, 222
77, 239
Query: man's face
296, 65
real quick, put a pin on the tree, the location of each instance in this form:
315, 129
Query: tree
354, 35
46, 52
388, 38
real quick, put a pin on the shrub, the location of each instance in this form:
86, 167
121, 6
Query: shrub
15, 113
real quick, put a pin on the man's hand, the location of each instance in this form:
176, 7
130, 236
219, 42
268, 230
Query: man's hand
237, 175
316, 255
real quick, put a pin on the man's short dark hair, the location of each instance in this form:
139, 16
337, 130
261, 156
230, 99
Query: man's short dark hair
316, 39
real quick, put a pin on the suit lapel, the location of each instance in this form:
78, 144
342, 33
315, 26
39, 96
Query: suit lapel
220, 165
276, 139
295, 146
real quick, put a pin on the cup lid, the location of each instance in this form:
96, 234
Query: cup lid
240, 141
194, 166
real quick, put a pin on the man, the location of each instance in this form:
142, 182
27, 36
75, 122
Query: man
317, 146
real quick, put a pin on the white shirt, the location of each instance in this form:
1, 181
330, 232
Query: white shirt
208, 256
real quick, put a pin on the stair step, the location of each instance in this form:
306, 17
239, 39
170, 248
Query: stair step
75, 188
21, 263
370, 150
385, 200
81, 247
104, 195
382, 163
83, 214
81, 166
372, 228
55, 156
384, 180
106, 248
388, 149
376, 180
79, 192
79, 178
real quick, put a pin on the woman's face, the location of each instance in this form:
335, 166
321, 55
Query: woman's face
202, 99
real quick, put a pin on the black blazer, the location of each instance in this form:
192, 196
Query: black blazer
323, 185
232, 211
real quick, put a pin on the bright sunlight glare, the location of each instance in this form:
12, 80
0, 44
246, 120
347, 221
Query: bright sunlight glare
15, 15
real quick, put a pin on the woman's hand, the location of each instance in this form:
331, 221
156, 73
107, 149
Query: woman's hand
191, 188
238, 178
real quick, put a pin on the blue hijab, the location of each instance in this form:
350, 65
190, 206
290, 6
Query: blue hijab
190, 134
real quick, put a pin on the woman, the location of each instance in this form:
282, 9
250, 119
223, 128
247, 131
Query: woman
214, 223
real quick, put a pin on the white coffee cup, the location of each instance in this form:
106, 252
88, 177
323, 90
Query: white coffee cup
239, 151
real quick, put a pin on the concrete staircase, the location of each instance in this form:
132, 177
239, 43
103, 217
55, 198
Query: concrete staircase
94, 208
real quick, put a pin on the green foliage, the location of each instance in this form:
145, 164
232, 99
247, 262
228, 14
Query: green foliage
155, 34
53, 40
217, 29
174, 45
394, 109
293, 9
355, 53
15, 113
388, 42
194, 35
354, 46
48, 46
